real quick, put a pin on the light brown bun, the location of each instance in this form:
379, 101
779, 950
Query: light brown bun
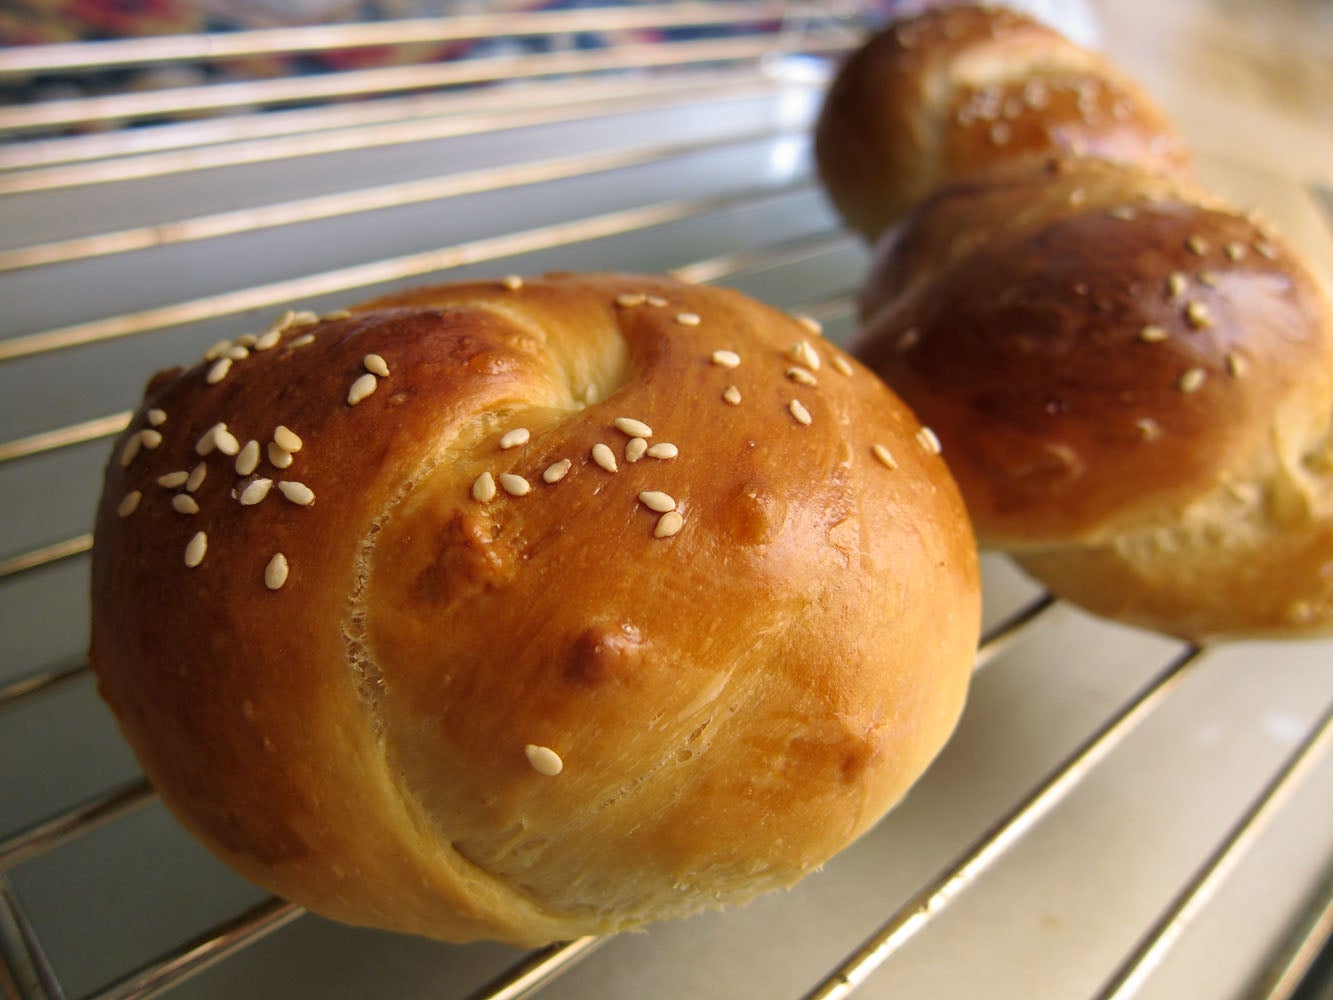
1134, 388
959, 89
731, 704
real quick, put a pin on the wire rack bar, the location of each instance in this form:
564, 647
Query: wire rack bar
936, 897
1129, 978
391, 269
25, 974
538, 969
397, 79
204, 951
362, 125
64, 437
195, 48
19, 690
369, 199
44, 556
1306, 938
66, 826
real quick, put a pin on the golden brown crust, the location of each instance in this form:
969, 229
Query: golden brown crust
731, 704
1133, 384
962, 88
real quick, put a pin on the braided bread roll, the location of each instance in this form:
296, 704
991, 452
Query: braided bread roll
932, 99
1133, 381
533, 609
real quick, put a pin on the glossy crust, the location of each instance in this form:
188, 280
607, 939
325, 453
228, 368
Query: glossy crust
959, 89
1134, 388
731, 704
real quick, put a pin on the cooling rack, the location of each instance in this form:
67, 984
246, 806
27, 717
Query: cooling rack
1118, 815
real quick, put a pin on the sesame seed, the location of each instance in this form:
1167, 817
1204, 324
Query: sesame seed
842, 365
657, 500
483, 488
1192, 380
1077, 196
237, 353
268, 340
1000, 133
656, 300
157, 417
668, 524
196, 479
512, 281
301, 341
515, 438
732, 395
1197, 313
811, 324
726, 359
287, 439
173, 479
183, 503
1148, 428
219, 371
514, 485
604, 457
225, 442
255, 491
802, 375
1125, 213
247, 340
247, 460
217, 350
1152, 334
299, 317
630, 299
557, 471
208, 440
1266, 250
663, 450
687, 319
275, 573
803, 354
799, 411
1176, 283
1208, 279
1237, 366
632, 427
929, 440
150, 438
336, 314
1197, 245
376, 365
131, 449
361, 388
884, 455
1235, 251
298, 493
278, 456
129, 503
635, 449
908, 339
194, 551
544, 760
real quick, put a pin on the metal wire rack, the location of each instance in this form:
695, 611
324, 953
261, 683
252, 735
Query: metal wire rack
1118, 815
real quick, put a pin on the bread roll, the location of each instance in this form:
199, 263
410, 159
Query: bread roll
531, 609
958, 89
1134, 388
